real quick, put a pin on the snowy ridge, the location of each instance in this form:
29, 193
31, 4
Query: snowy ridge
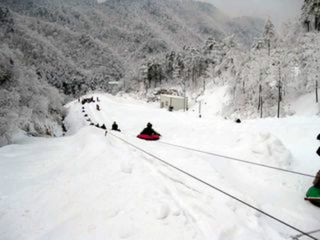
88, 186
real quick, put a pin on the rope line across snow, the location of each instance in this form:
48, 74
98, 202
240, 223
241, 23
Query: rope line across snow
238, 160
217, 189
297, 237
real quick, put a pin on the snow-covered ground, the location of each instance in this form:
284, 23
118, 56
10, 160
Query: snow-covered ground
91, 186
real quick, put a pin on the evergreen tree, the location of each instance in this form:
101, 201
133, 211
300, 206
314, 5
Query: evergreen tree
269, 36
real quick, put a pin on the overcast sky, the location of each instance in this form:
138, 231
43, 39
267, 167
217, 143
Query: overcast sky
278, 10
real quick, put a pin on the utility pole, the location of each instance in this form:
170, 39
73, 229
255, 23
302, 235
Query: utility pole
200, 109
261, 112
260, 105
184, 96
259, 99
317, 70
260, 91
317, 97
279, 92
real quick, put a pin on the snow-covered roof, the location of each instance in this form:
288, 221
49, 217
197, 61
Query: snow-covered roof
171, 96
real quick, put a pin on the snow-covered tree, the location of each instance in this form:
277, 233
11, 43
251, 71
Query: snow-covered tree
269, 36
27, 102
311, 15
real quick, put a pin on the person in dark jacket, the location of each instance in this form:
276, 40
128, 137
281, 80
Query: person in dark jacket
318, 151
115, 127
149, 130
316, 181
103, 127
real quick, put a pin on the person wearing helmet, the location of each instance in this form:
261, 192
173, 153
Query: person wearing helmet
149, 130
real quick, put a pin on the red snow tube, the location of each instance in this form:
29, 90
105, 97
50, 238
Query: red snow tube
152, 137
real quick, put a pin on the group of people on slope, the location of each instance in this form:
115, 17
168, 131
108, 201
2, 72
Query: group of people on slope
149, 131
87, 100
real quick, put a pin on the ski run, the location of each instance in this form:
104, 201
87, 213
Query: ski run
86, 185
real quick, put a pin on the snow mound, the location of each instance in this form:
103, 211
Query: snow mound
269, 149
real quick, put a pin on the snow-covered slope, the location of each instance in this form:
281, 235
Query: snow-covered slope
91, 186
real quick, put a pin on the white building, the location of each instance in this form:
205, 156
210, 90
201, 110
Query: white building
173, 102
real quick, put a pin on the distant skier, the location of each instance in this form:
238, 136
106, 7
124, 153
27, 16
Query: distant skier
64, 129
98, 100
103, 127
98, 107
115, 127
238, 120
149, 130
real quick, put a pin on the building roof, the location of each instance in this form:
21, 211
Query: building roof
171, 96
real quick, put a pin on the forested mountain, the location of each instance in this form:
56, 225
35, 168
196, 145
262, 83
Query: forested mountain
81, 45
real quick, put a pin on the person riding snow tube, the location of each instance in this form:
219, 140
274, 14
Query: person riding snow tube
115, 127
313, 195
149, 133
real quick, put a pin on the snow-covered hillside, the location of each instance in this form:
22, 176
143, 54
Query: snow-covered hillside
78, 45
90, 186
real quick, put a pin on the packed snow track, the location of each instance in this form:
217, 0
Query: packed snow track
90, 186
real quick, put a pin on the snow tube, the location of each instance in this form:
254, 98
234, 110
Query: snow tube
152, 137
313, 195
